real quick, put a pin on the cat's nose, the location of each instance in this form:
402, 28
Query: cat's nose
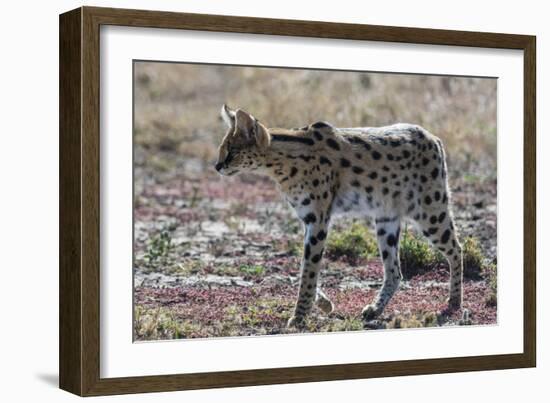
219, 166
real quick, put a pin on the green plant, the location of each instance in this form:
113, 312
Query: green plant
293, 247
224, 270
416, 255
353, 242
185, 268
346, 324
423, 319
159, 247
473, 258
252, 270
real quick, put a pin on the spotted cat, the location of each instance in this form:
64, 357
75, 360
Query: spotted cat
389, 173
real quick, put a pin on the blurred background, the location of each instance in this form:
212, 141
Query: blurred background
220, 256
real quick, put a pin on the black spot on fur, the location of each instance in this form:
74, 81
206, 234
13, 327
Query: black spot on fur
435, 172
391, 240
445, 237
442, 217
433, 219
376, 155
321, 235
355, 183
295, 139
357, 140
369, 189
406, 153
318, 135
333, 144
385, 254
310, 218
395, 143
324, 160
423, 179
316, 258
428, 200
437, 196
293, 171
315, 182
358, 170
381, 232
345, 162
307, 251
306, 201
373, 175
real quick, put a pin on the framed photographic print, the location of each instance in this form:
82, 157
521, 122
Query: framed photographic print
249, 201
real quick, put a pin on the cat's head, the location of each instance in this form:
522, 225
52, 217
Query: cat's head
244, 142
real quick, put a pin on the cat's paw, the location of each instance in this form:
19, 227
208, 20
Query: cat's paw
296, 321
370, 312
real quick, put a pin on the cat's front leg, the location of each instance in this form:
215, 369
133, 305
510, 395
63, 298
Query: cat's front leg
314, 245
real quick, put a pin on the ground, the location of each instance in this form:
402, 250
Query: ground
220, 256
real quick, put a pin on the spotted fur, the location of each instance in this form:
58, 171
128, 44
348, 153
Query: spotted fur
389, 173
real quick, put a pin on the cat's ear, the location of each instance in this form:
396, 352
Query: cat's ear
228, 116
250, 130
263, 138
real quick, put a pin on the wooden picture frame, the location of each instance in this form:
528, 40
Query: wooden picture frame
79, 346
